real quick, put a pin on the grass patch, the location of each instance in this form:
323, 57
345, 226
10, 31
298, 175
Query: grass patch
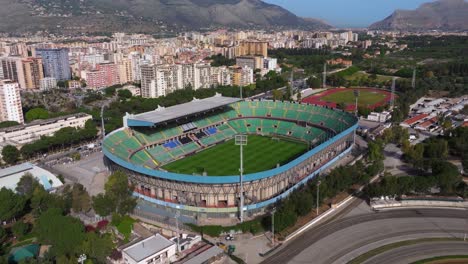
347, 97
260, 154
436, 259
124, 225
363, 75
253, 226
372, 253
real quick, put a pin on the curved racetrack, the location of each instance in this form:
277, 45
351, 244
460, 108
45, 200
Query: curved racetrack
345, 239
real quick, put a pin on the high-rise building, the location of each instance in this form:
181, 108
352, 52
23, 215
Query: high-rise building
33, 72
252, 48
47, 83
201, 76
148, 81
241, 76
254, 62
125, 70
10, 102
56, 63
12, 68
105, 75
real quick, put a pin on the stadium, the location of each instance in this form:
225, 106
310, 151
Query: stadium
184, 158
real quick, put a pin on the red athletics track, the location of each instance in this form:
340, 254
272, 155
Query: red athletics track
317, 98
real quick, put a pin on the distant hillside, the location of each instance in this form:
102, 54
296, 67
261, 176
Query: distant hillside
442, 15
144, 15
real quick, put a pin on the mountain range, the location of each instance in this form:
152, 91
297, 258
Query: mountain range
438, 15
148, 16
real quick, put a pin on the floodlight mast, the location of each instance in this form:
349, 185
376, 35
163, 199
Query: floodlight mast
241, 140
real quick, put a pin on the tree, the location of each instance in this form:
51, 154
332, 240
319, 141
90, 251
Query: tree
375, 151
12, 204
103, 205
97, 247
314, 82
36, 113
110, 91
10, 154
26, 184
277, 94
447, 175
118, 196
299, 96
20, 229
41, 201
124, 94
64, 233
81, 202
8, 124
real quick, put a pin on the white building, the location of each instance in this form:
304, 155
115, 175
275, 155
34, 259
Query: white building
270, 64
23, 134
154, 249
10, 102
379, 117
9, 177
47, 83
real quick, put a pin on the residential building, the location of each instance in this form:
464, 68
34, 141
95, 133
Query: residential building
148, 81
340, 61
241, 76
252, 48
125, 71
47, 83
23, 134
253, 62
105, 75
33, 72
74, 84
10, 102
154, 249
270, 64
56, 63
201, 76
12, 68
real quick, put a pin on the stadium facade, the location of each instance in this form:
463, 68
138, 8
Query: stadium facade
150, 140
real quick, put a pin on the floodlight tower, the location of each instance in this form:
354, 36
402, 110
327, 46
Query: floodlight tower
102, 122
356, 112
241, 140
392, 96
413, 81
324, 76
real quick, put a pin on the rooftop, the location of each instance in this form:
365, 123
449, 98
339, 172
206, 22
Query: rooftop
9, 177
41, 122
147, 247
163, 114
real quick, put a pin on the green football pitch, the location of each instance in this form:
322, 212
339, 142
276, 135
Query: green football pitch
347, 97
260, 154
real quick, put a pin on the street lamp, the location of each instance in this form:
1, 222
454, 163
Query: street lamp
318, 193
177, 215
82, 258
241, 140
273, 226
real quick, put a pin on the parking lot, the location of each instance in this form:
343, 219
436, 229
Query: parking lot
90, 171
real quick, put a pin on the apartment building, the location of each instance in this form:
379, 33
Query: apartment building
10, 102
33, 72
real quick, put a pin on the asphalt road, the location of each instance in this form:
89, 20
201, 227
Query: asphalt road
409, 254
330, 242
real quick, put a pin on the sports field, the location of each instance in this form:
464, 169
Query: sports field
260, 154
366, 97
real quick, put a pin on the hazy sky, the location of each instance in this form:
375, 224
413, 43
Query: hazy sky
343, 13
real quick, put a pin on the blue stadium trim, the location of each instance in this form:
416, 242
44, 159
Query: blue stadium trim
226, 179
139, 123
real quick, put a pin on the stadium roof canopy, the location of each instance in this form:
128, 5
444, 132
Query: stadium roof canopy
163, 114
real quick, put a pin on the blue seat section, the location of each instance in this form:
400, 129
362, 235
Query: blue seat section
212, 130
171, 144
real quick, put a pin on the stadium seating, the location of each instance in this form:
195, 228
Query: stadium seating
152, 147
